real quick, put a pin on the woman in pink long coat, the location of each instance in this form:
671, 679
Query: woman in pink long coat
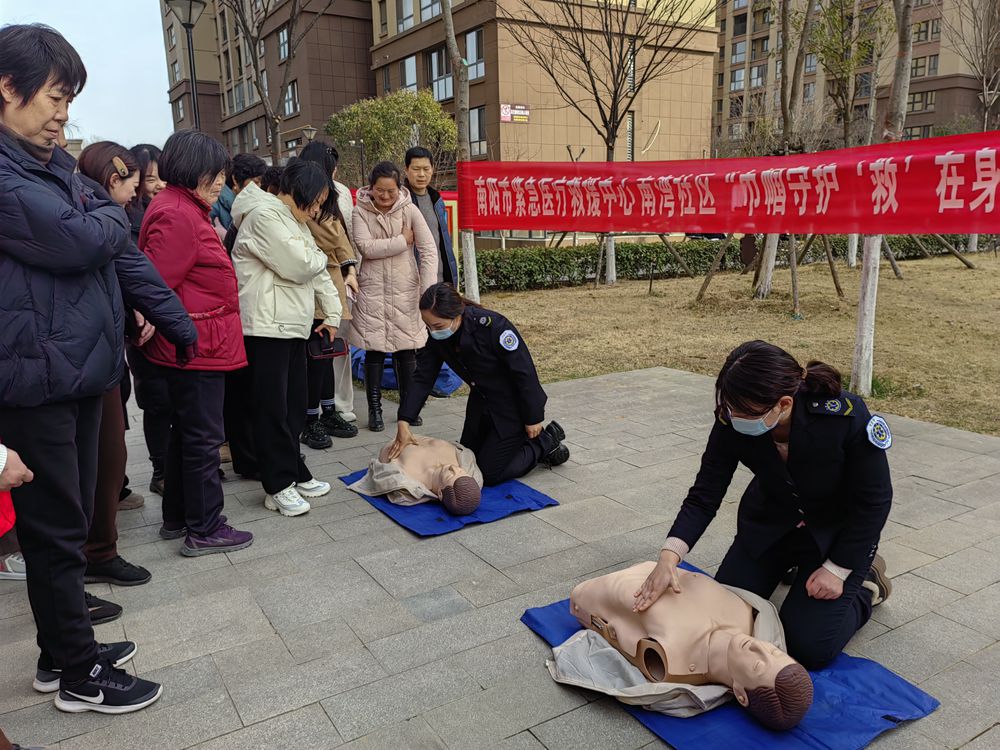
399, 261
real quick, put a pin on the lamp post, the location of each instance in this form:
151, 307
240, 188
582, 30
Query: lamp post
360, 143
309, 132
188, 12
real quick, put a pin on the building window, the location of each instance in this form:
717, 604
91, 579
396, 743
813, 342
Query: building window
809, 91
932, 65
927, 30
291, 103
240, 100
921, 101
777, 70
239, 60
759, 48
630, 137
718, 106
293, 143
429, 9
226, 66
737, 4
386, 88
935, 28
175, 70
260, 49
921, 3
255, 141
263, 81
762, 20
739, 53
477, 131
736, 106
740, 24
404, 15
720, 80
758, 75
811, 63
863, 85
918, 68
440, 74
408, 73
283, 43
223, 26
474, 54
179, 109
722, 54
735, 131
171, 37
722, 27
736, 80
231, 102
383, 18
630, 79
916, 131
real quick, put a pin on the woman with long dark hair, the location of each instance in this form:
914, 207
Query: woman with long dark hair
819, 499
399, 262
180, 241
503, 419
109, 168
330, 380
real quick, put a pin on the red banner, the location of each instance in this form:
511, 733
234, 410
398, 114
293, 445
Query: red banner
935, 185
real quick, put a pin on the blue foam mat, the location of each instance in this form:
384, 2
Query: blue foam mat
431, 519
855, 700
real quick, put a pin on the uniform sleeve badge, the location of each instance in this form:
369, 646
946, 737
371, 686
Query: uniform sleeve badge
878, 433
509, 340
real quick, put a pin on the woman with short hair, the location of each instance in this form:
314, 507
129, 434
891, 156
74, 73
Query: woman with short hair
181, 242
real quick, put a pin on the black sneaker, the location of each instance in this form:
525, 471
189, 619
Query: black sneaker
336, 426
118, 571
438, 393
101, 611
877, 582
156, 485
315, 436
47, 676
556, 457
107, 690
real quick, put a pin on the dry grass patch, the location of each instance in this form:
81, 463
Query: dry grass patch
937, 338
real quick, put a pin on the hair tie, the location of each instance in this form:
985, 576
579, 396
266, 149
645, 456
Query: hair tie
119, 166
805, 373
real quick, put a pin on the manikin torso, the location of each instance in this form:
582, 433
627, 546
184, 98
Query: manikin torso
681, 623
432, 462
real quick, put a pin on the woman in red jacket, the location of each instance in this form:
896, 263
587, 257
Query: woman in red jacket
179, 239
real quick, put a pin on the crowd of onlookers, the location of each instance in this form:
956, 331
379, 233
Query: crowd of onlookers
228, 291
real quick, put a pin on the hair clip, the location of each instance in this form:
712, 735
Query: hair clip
119, 166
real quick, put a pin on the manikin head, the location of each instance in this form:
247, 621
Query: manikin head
461, 497
768, 683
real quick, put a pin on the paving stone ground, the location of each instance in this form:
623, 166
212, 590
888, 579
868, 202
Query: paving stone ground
339, 629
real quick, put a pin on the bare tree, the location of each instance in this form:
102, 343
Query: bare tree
864, 340
601, 54
251, 18
459, 66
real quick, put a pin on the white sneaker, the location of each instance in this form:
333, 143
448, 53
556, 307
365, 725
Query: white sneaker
12, 567
348, 416
288, 502
312, 488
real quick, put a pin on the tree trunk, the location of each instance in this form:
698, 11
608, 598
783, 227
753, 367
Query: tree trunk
793, 266
833, 267
864, 339
460, 72
973, 246
716, 262
767, 259
275, 127
611, 271
852, 250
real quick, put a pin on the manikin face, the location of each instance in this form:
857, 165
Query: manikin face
753, 664
122, 191
210, 188
40, 120
152, 184
419, 174
385, 191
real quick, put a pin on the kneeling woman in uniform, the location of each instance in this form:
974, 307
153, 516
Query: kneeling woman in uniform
818, 501
503, 420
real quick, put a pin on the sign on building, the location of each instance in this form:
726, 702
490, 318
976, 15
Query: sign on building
515, 113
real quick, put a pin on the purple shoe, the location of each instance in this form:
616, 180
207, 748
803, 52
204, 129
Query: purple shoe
177, 529
223, 539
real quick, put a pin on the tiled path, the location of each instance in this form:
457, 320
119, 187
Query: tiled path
339, 629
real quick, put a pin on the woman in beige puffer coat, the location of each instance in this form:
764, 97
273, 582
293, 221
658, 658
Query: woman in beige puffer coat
393, 275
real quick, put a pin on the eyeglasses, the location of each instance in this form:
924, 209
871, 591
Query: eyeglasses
390, 193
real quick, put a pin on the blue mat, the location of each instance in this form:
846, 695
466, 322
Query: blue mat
431, 519
855, 700
447, 381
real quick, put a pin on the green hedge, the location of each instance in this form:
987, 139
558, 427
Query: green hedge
536, 267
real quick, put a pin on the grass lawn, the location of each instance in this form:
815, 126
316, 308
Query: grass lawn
937, 336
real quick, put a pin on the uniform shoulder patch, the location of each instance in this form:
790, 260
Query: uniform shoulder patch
841, 406
509, 340
878, 433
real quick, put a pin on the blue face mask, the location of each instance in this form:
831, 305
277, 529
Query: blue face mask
444, 333
753, 427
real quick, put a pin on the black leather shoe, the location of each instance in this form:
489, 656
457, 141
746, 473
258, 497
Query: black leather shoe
555, 431
101, 610
118, 571
156, 485
375, 423
556, 457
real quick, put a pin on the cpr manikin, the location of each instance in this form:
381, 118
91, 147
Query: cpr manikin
432, 469
703, 635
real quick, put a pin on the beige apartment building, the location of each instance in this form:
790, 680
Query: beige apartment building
515, 112
330, 70
748, 78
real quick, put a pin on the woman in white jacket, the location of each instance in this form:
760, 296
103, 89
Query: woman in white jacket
282, 279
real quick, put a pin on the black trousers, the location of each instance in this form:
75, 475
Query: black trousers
58, 442
192, 492
816, 630
501, 457
278, 388
238, 411
152, 395
319, 373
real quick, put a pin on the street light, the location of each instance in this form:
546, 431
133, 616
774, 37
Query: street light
188, 12
309, 132
360, 143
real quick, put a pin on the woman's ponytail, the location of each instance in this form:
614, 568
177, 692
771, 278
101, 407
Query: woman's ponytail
823, 379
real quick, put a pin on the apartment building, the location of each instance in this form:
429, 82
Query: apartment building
748, 78
331, 69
